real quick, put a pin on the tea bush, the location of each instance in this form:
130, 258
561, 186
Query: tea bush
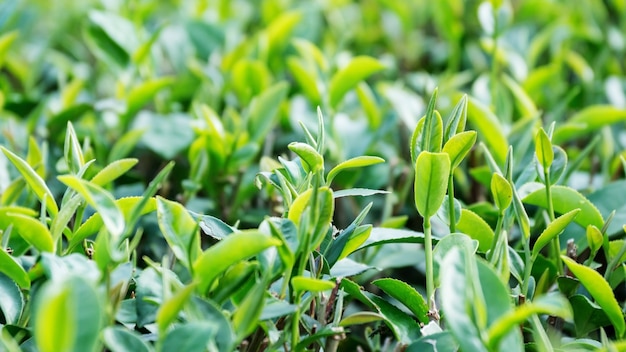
296, 175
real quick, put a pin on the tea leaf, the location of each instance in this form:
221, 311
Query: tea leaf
232, 249
179, 229
554, 229
566, 199
587, 121
119, 339
406, 295
31, 230
113, 170
501, 191
348, 77
477, 228
489, 129
10, 268
360, 318
360, 161
594, 238
309, 155
101, 200
36, 183
601, 292
246, 317
543, 149
431, 182
554, 305
456, 121
264, 110
458, 146
304, 283
168, 311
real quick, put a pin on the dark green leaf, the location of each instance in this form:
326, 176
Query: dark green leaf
118, 339
406, 295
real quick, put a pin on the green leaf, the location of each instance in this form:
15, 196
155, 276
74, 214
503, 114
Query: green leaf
457, 300
12, 301
456, 121
458, 146
31, 230
305, 78
94, 223
588, 316
111, 38
370, 107
360, 318
453, 240
594, 238
475, 227
489, 129
232, 249
554, 229
360, 161
554, 305
501, 191
101, 200
432, 131
279, 30
588, 120
312, 159
431, 182
112, 171
348, 77
246, 317
13, 270
179, 229
36, 183
566, 199
168, 311
72, 150
68, 316
305, 283
601, 292
191, 337
264, 109
406, 295
543, 149
119, 339
380, 236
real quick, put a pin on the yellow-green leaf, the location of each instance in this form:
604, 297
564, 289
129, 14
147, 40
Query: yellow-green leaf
566, 199
601, 292
114, 170
101, 200
554, 229
36, 183
359, 161
458, 146
501, 191
348, 77
232, 249
431, 182
543, 149
305, 283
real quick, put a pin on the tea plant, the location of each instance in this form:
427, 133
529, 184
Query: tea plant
240, 175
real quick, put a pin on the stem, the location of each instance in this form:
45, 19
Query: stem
496, 237
295, 324
451, 215
528, 266
556, 243
428, 249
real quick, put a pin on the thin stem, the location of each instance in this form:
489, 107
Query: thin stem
496, 237
556, 243
295, 324
528, 266
428, 249
451, 215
